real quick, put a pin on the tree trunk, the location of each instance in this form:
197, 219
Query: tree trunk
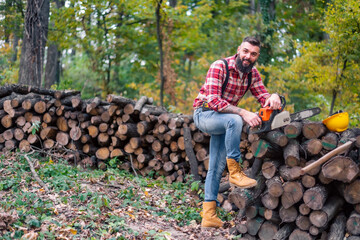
160, 43
35, 35
52, 68
337, 229
320, 218
291, 153
284, 232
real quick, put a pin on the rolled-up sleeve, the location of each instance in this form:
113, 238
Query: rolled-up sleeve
214, 81
258, 89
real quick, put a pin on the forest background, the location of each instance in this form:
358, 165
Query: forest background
163, 49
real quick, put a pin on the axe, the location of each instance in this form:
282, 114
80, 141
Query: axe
327, 156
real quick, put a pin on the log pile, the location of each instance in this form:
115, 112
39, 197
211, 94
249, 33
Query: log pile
295, 199
91, 132
323, 203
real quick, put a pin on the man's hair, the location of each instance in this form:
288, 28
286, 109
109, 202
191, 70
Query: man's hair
253, 41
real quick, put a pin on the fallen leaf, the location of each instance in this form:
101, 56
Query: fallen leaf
30, 236
56, 211
132, 216
73, 231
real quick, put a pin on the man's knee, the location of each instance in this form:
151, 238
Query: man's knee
235, 121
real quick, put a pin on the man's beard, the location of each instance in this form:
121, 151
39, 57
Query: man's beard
241, 67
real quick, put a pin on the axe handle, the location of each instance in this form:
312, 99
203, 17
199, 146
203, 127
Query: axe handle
327, 156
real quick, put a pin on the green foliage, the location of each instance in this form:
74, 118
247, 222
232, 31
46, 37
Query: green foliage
328, 68
195, 186
79, 75
74, 192
112, 47
35, 127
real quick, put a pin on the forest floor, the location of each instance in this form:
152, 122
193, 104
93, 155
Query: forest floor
94, 204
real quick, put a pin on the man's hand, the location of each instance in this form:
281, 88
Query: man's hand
251, 118
273, 101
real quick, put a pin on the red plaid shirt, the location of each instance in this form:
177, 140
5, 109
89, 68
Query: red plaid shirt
210, 92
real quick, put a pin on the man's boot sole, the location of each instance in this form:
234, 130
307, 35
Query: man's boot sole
202, 227
207, 228
245, 187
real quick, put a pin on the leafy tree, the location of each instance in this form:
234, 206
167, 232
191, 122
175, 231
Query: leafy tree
342, 23
113, 46
327, 71
11, 26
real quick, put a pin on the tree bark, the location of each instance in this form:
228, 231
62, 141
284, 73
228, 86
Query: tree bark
35, 36
320, 218
284, 232
160, 45
291, 153
337, 229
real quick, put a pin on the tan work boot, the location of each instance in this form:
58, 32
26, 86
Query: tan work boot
238, 177
209, 218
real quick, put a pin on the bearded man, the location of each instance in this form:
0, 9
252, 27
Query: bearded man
216, 113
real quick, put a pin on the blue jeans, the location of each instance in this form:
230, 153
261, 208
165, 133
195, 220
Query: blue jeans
225, 133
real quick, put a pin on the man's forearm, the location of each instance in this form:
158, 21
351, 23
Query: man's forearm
249, 117
232, 109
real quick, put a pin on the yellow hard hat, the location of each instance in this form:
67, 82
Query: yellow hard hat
337, 122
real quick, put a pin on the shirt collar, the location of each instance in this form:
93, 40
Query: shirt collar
232, 63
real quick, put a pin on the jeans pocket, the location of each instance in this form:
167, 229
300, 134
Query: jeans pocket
199, 120
196, 117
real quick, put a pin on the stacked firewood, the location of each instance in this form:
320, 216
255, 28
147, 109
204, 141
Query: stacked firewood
288, 203
297, 198
90, 132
